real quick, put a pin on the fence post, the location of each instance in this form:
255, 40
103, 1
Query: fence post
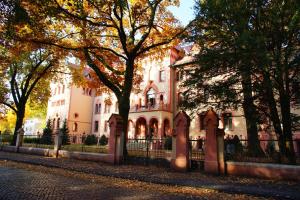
116, 139
180, 142
214, 144
57, 143
20, 136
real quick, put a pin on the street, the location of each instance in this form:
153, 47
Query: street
27, 181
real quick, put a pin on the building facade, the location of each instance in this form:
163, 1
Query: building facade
152, 109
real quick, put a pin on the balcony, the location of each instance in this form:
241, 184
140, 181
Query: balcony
149, 108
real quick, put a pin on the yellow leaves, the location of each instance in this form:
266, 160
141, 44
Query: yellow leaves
23, 30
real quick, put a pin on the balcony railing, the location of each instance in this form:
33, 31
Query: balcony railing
146, 108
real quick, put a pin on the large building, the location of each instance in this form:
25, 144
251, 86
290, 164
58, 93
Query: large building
152, 109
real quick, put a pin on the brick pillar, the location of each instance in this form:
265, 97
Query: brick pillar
214, 144
180, 142
116, 139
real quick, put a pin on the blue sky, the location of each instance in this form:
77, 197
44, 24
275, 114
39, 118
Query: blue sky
185, 12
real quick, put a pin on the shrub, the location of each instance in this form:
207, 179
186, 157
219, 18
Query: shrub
90, 140
47, 134
65, 133
168, 143
31, 140
103, 140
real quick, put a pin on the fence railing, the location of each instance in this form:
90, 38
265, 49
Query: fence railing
38, 141
149, 151
5, 139
89, 143
238, 151
197, 147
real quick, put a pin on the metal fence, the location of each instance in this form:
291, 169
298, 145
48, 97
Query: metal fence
238, 151
38, 141
5, 139
149, 151
88, 143
196, 156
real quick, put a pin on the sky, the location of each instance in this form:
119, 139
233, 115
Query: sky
184, 12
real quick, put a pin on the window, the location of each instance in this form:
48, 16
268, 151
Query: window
75, 127
96, 126
90, 92
53, 123
179, 75
96, 108
179, 99
151, 97
63, 89
62, 102
117, 107
107, 108
58, 90
227, 121
105, 126
58, 123
201, 121
205, 95
162, 75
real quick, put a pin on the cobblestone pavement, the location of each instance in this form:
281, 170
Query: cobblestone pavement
23, 184
222, 184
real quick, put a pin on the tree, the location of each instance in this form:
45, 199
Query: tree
254, 45
223, 66
64, 130
25, 68
47, 133
111, 37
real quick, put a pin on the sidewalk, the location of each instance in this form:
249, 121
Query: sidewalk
227, 184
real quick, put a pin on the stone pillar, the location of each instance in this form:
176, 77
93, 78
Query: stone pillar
180, 142
214, 144
221, 157
116, 139
57, 142
20, 136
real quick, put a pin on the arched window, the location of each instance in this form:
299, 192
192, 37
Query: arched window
151, 97
58, 123
75, 127
53, 123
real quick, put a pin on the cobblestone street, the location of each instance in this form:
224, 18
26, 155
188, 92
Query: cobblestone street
34, 177
24, 184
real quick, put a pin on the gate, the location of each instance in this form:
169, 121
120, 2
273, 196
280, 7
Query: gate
149, 151
196, 151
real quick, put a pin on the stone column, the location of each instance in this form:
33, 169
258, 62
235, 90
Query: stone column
180, 142
116, 139
20, 136
57, 142
214, 144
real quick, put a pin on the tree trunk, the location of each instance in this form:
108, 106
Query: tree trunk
124, 112
19, 122
274, 113
254, 147
287, 126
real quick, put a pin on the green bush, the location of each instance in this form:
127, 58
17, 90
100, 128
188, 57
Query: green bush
103, 140
65, 133
31, 140
168, 143
47, 134
90, 140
